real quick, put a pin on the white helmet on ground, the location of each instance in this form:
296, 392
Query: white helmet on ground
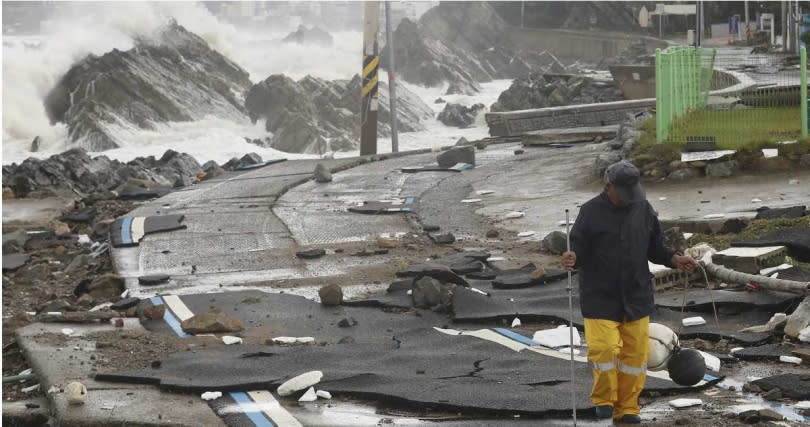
662, 343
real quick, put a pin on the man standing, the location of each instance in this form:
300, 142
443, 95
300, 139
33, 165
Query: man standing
614, 235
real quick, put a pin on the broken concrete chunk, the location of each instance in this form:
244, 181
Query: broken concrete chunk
453, 156
712, 362
323, 394
694, 321
443, 239
799, 319
514, 215
155, 312
311, 253
322, 174
299, 383
516, 322
309, 396
430, 293
211, 395
212, 322
557, 337
107, 286
347, 322
685, 403
555, 242
230, 340
13, 262
778, 319
153, 279
791, 359
804, 334
331, 295
384, 242
76, 393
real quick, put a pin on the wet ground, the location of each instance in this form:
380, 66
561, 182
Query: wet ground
243, 231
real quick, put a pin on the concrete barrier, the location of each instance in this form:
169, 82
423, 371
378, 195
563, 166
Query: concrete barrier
573, 45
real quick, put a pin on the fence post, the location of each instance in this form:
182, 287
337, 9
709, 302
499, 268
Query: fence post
804, 90
659, 110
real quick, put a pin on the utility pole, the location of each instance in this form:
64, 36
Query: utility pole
784, 26
746, 20
392, 86
371, 62
698, 23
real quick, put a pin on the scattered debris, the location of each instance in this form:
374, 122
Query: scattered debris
685, 403
311, 253
299, 383
514, 215
229, 340
557, 337
526, 233
293, 340
694, 321
470, 200
323, 394
790, 359
76, 393
309, 396
211, 395
331, 295
30, 389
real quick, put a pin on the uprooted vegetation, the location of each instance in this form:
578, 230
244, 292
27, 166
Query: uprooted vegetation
754, 229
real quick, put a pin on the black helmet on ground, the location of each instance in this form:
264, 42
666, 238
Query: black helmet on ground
686, 367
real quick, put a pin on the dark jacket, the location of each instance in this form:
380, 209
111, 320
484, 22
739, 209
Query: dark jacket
613, 245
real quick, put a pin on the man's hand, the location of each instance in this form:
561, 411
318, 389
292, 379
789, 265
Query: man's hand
568, 260
684, 263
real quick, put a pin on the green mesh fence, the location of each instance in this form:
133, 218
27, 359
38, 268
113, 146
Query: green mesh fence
729, 98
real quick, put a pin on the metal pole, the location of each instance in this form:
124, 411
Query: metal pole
371, 62
392, 88
698, 23
522, 10
803, 72
783, 25
746, 19
571, 320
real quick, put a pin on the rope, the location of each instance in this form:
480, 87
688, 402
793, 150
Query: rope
711, 295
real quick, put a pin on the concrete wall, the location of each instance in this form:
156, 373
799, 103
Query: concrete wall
570, 45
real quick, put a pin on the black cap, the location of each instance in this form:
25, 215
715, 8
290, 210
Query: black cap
626, 182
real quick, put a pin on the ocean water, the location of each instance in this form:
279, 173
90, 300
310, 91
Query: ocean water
33, 64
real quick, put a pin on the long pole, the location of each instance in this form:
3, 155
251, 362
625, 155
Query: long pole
371, 62
571, 320
392, 86
803, 91
746, 19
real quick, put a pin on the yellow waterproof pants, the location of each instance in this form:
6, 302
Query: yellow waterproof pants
618, 351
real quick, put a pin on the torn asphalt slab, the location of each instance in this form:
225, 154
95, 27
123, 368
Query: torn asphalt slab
420, 368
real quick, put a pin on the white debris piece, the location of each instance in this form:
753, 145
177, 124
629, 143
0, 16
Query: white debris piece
704, 155
26, 372
561, 223
557, 337
685, 403
686, 236
54, 389
84, 239
67, 331
515, 322
768, 271
567, 350
475, 290
470, 200
804, 334
30, 389
309, 396
790, 359
76, 393
125, 294
776, 319
495, 258
755, 200
694, 321
662, 198
410, 292
305, 380
714, 216
513, 215
700, 251
526, 233
323, 394
211, 395
305, 340
735, 349
770, 152
793, 181
484, 192
284, 340
228, 340
712, 362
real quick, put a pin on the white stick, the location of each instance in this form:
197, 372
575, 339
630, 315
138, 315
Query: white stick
571, 320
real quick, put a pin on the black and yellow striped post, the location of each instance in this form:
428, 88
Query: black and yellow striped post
370, 92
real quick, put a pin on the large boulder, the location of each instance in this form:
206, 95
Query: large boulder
722, 169
172, 76
430, 293
555, 242
315, 116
